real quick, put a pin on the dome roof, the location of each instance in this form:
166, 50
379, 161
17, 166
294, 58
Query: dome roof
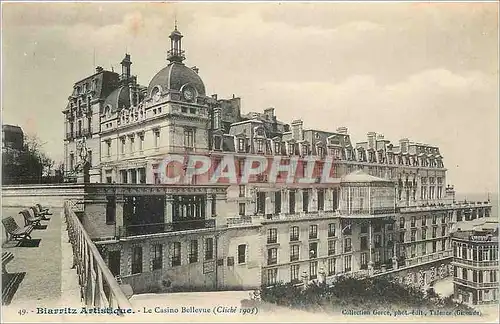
174, 76
118, 99
361, 177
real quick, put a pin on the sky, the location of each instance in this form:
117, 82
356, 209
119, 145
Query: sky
423, 71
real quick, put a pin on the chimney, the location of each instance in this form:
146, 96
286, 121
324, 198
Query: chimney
214, 96
126, 63
297, 126
269, 112
342, 130
380, 137
195, 69
371, 139
99, 69
403, 145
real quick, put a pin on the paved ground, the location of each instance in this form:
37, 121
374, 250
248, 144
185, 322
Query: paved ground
49, 278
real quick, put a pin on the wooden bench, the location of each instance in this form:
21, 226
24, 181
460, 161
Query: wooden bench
42, 211
14, 231
6, 258
30, 218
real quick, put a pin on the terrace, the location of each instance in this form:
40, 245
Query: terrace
59, 265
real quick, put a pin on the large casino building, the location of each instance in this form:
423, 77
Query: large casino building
389, 212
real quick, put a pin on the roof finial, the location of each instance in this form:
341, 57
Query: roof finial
175, 21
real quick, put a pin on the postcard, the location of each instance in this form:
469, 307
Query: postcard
329, 162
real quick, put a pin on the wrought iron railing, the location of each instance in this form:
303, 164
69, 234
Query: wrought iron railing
98, 286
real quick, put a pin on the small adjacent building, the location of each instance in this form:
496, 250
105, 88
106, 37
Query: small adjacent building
475, 261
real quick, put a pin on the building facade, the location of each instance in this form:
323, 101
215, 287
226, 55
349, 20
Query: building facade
389, 210
475, 261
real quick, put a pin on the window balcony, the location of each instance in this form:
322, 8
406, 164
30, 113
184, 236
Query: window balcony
294, 258
176, 261
272, 240
272, 261
294, 238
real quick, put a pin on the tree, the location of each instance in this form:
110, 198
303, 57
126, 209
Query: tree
363, 293
29, 165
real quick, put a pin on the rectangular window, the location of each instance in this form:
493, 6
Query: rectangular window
363, 243
189, 138
242, 191
132, 144
122, 147
110, 210
209, 248
137, 259
294, 233
331, 230
347, 263
413, 221
378, 241
108, 148
413, 235
156, 134
157, 256
331, 266
176, 254
272, 276
402, 222
434, 247
424, 248
443, 245
364, 261
305, 200
313, 250
142, 175
321, 199
141, 142
291, 202
294, 253
242, 209
272, 256
331, 247
313, 270
241, 145
272, 235
294, 273
443, 231
193, 251
242, 249
313, 231
71, 161
347, 245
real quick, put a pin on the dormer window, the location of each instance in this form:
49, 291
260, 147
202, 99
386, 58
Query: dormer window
260, 146
304, 150
321, 151
277, 148
241, 145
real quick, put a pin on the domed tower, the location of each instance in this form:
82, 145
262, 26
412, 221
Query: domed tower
176, 95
